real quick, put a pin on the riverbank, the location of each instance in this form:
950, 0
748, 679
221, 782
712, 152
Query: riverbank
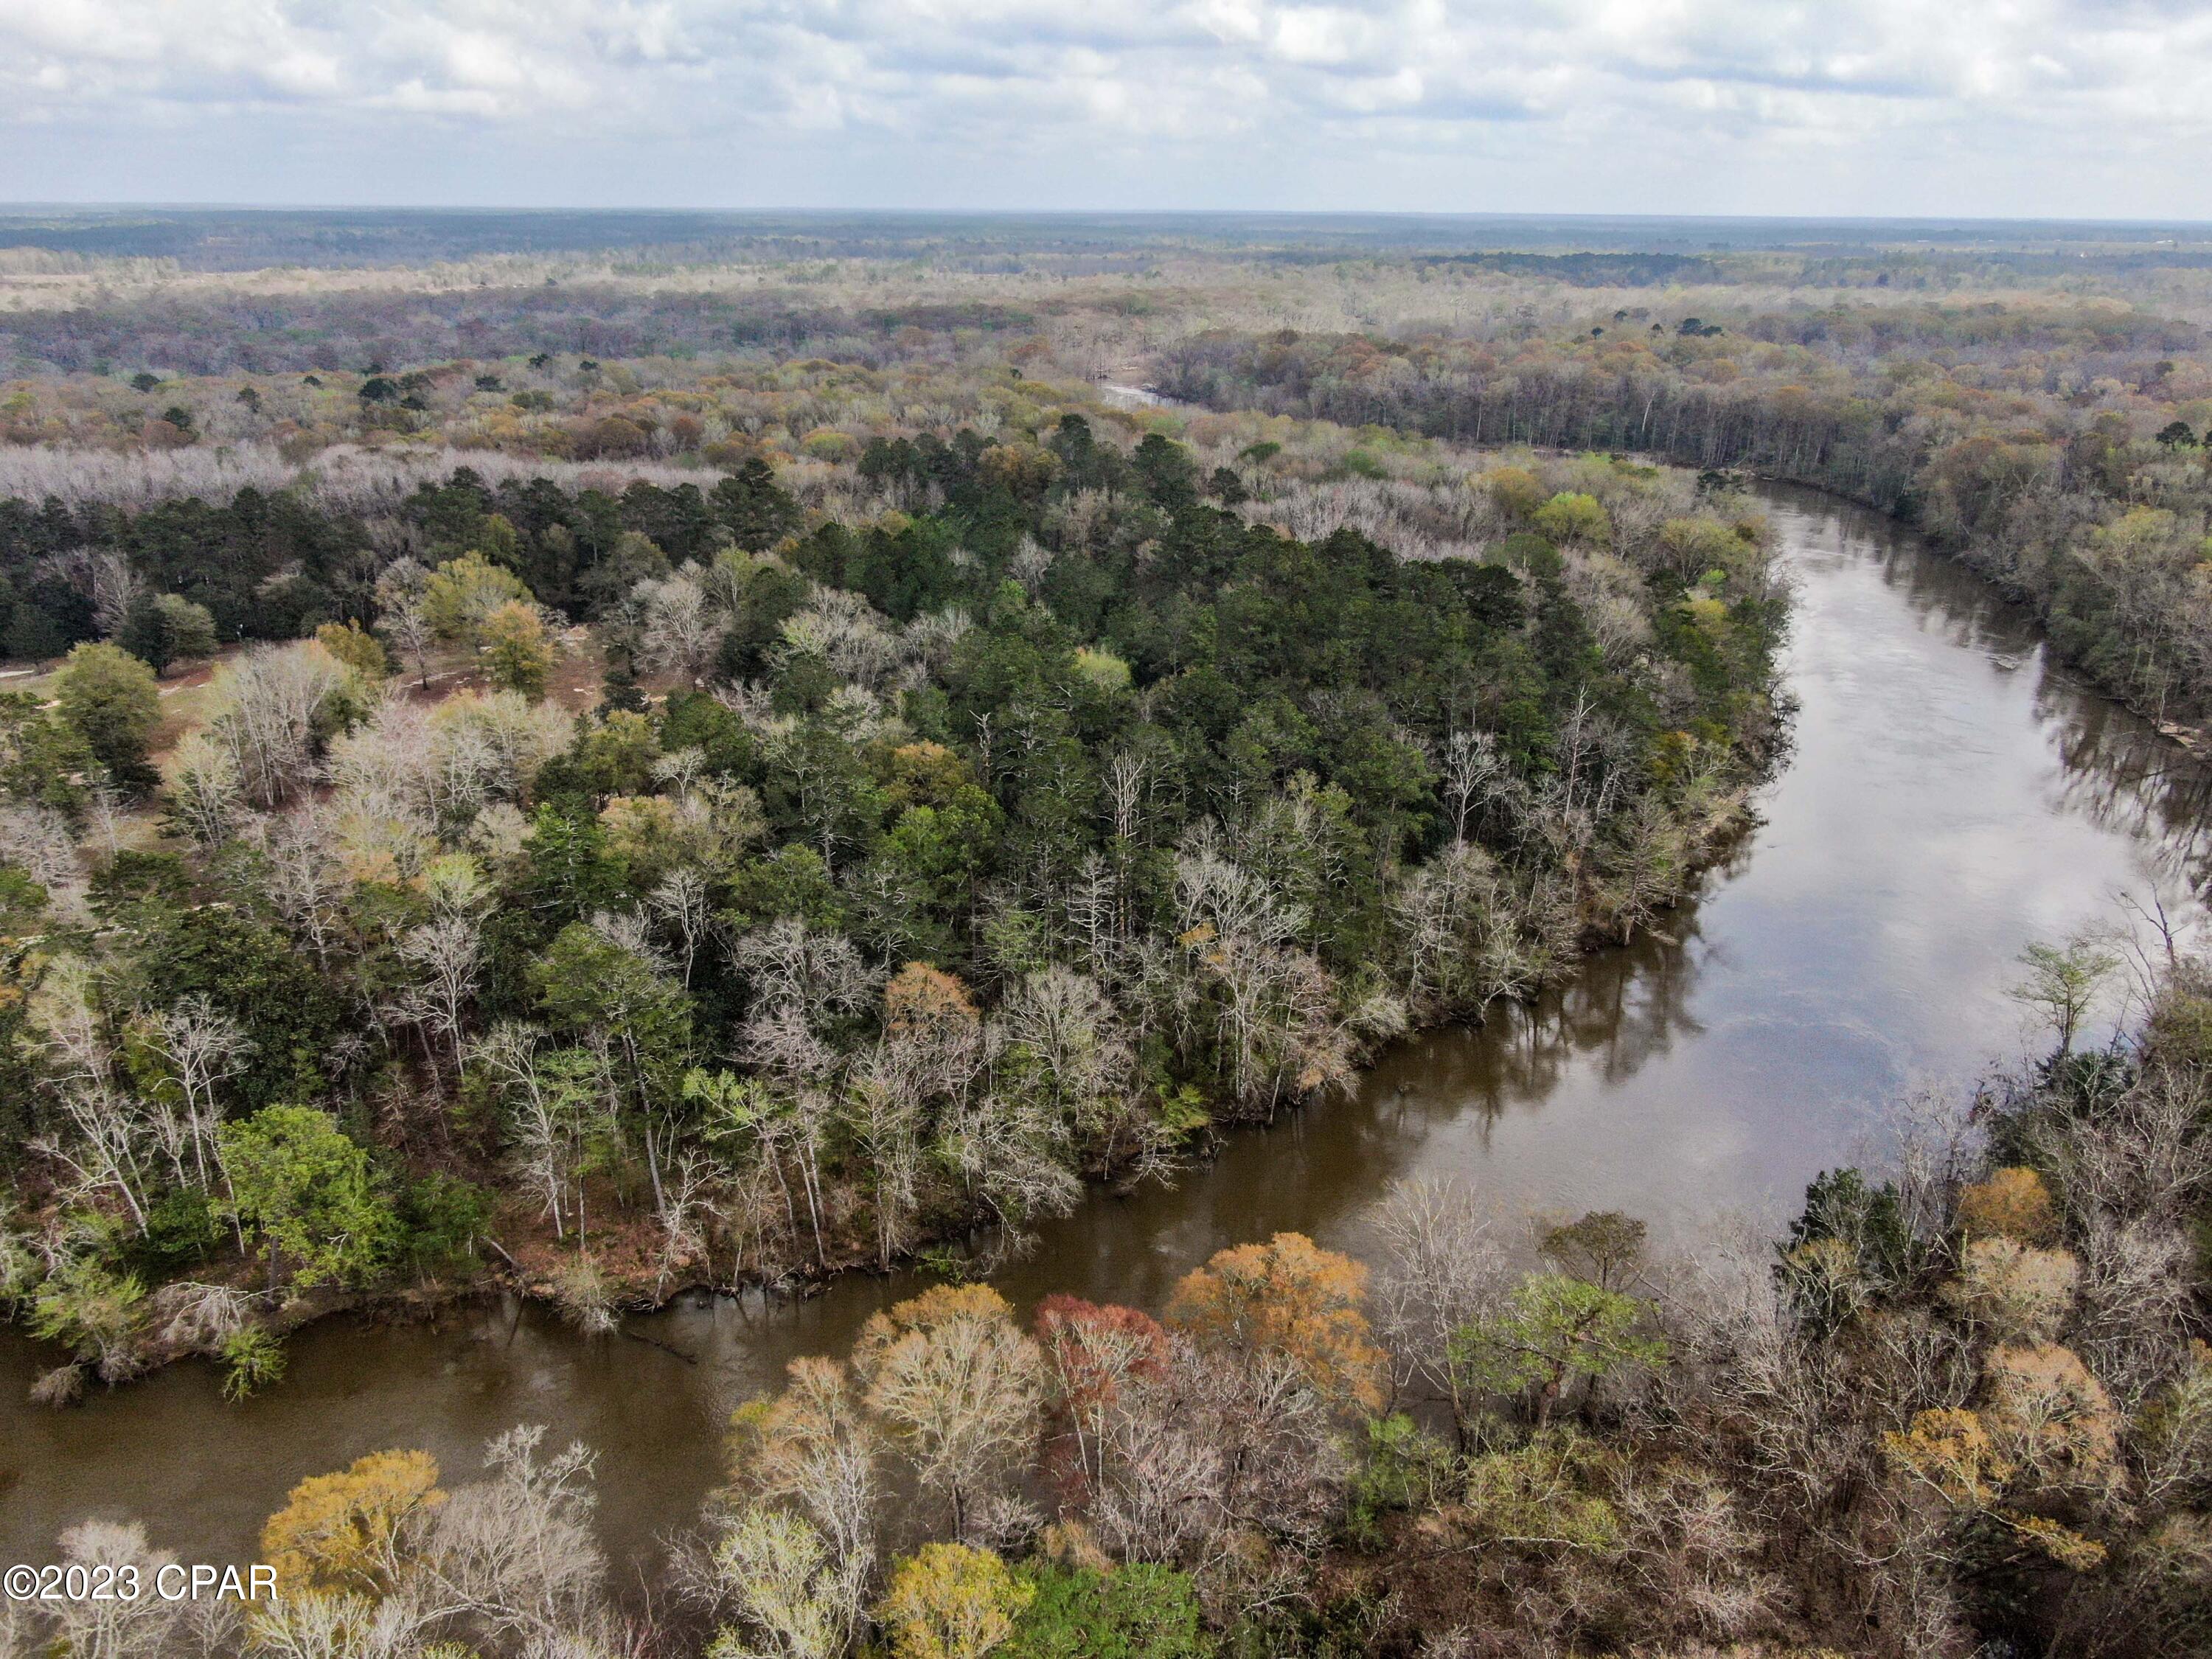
633, 1270
1987, 561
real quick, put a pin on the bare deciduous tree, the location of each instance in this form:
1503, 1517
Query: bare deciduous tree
105, 1153
512, 1558
1442, 1270
813, 1448
681, 901
204, 1049
960, 1386
263, 710
207, 794
678, 628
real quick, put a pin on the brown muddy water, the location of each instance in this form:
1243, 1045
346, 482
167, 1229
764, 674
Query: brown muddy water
1951, 796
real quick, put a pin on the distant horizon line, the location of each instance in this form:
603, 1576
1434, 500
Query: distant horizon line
30, 209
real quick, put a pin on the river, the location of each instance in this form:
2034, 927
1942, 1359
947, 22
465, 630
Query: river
1951, 795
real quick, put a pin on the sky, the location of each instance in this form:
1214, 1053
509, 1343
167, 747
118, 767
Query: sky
2021, 108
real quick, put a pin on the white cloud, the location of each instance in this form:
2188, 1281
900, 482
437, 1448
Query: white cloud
1997, 106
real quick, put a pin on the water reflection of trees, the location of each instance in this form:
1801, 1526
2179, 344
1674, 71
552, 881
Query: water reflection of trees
1946, 598
1319, 1169
2120, 774
1625, 1007
2117, 772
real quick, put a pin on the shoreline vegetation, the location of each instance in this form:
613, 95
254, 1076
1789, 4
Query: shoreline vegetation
538, 1275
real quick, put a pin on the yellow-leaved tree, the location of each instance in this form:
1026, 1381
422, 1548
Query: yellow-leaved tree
951, 1602
517, 652
461, 595
347, 1531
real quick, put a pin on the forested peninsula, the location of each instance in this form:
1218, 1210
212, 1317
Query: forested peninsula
1025, 819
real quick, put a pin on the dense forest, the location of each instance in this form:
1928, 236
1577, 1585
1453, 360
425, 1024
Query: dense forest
719, 757
898, 871
2059, 449
2041, 408
255, 239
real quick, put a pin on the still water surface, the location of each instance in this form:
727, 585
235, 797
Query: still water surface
1951, 796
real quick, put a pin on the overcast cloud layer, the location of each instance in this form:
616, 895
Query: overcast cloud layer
2020, 107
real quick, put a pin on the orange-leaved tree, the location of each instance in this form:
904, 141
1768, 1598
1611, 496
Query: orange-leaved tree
1291, 1298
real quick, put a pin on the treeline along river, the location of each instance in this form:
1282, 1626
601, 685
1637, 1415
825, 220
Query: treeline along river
1951, 795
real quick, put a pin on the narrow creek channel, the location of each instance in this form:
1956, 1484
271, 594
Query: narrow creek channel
1951, 796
